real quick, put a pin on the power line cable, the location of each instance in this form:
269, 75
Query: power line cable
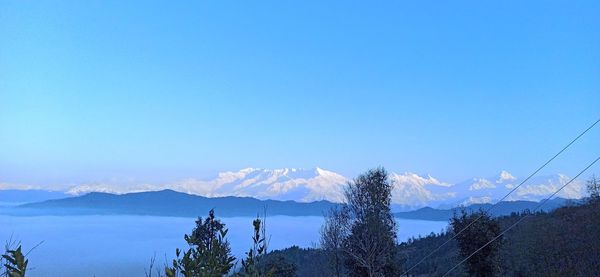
522, 218
503, 198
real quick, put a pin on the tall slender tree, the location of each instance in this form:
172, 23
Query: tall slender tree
251, 266
366, 226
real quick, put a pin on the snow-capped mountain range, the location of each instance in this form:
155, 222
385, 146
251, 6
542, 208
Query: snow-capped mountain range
305, 185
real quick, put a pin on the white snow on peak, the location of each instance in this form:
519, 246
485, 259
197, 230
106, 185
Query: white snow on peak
305, 185
480, 183
412, 190
107, 188
415, 179
505, 176
542, 187
279, 184
477, 200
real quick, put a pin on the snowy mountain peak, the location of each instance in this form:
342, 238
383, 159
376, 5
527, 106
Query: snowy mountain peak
412, 190
415, 179
279, 184
409, 189
504, 176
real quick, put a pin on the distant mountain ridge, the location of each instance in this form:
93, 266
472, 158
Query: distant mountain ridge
172, 203
411, 191
501, 209
303, 185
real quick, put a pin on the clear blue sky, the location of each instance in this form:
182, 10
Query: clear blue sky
157, 91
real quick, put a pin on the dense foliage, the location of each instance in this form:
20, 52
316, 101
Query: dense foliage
560, 243
479, 240
305, 261
209, 253
362, 232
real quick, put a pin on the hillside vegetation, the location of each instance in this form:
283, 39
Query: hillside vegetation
563, 242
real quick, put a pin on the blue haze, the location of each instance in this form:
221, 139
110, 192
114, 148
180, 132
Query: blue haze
123, 245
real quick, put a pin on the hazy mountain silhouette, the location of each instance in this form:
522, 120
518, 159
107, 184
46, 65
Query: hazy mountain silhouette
502, 208
172, 203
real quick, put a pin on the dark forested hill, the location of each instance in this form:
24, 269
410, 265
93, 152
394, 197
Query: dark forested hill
172, 203
563, 242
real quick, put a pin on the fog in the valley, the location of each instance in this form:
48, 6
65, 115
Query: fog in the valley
123, 245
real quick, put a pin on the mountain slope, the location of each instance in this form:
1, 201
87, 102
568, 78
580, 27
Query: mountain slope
303, 185
411, 191
172, 203
563, 242
501, 209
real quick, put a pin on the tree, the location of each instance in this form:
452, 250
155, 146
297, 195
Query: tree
250, 265
255, 266
209, 254
15, 264
333, 232
371, 245
486, 261
593, 187
366, 226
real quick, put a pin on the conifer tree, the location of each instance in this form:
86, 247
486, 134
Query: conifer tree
209, 254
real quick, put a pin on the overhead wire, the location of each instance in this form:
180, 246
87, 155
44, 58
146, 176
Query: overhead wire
522, 218
503, 198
